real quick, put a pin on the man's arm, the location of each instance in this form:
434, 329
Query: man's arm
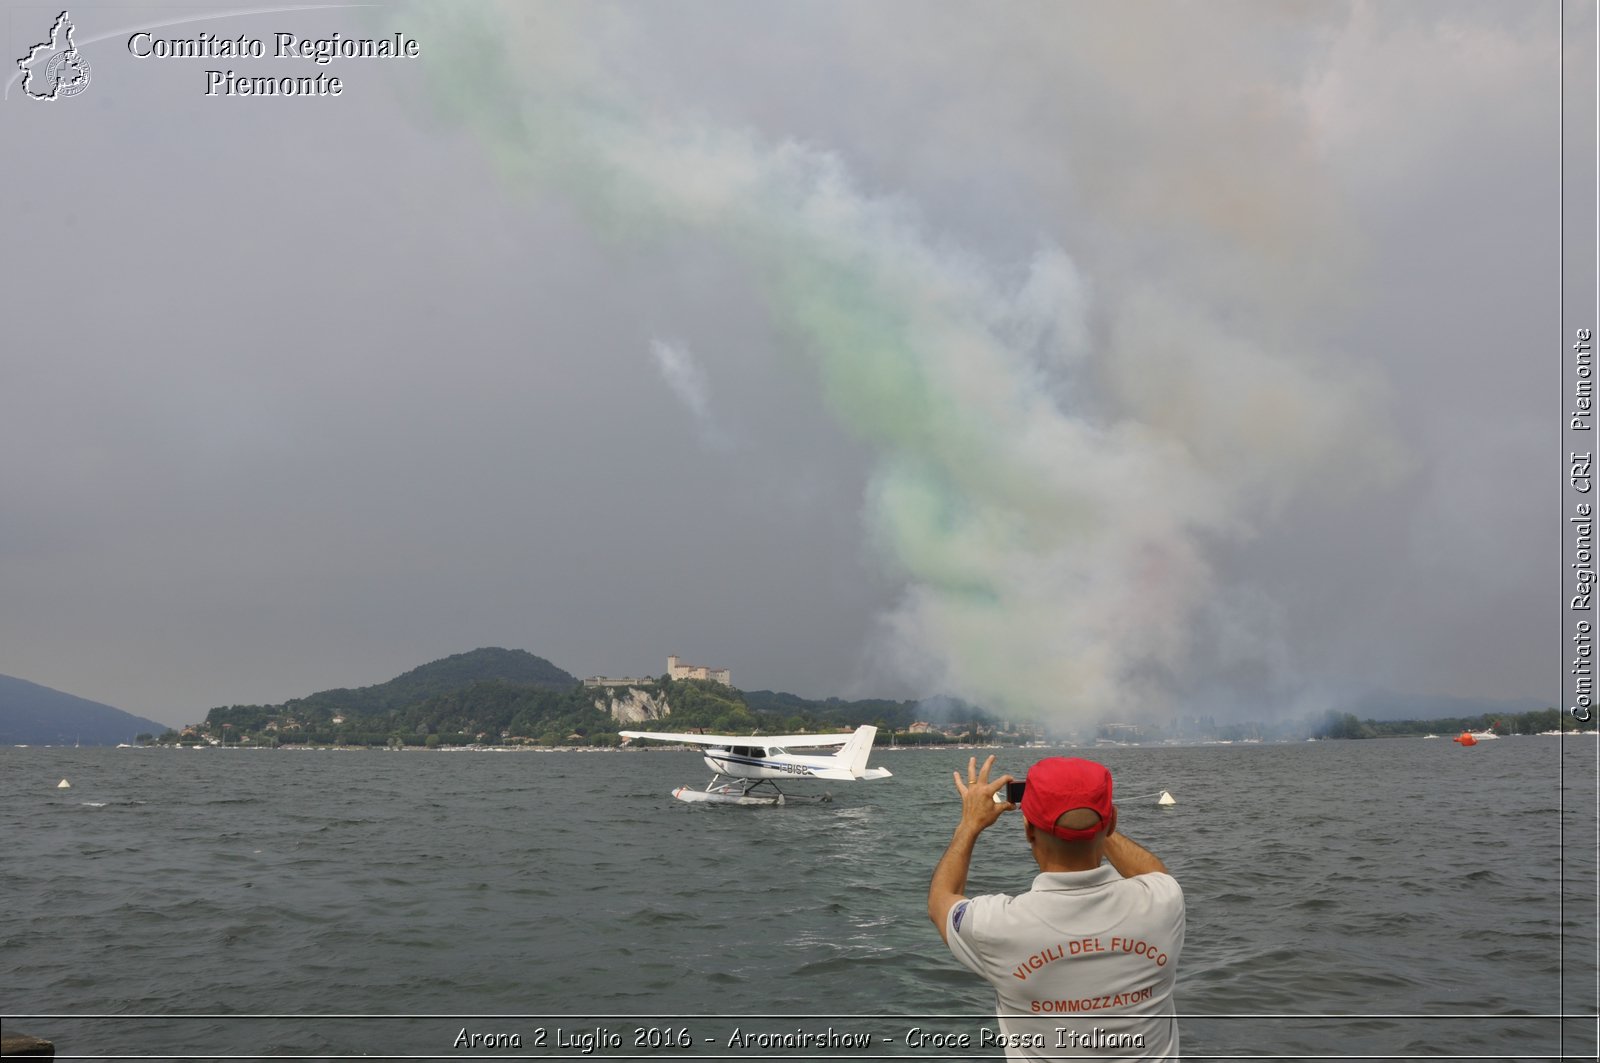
978, 811
949, 885
1129, 857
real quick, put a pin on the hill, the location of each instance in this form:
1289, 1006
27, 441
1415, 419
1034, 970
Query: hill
455, 699
498, 695
36, 715
444, 676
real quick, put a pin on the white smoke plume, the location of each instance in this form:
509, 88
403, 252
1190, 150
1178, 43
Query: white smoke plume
1054, 466
686, 379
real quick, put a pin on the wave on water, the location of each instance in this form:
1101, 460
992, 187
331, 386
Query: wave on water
371, 884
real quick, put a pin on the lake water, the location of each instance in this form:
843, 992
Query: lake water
1378, 899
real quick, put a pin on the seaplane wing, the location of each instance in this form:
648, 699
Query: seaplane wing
756, 763
781, 741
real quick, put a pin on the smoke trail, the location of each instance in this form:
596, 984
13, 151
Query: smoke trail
686, 380
1054, 551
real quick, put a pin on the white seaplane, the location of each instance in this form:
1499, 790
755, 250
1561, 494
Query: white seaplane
753, 764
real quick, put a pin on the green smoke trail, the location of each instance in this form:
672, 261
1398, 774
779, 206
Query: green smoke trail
1052, 563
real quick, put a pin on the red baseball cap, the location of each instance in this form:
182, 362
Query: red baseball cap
1057, 785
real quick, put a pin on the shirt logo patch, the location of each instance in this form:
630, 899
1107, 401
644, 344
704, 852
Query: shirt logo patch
955, 916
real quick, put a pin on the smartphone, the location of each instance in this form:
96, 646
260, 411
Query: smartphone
1014, 791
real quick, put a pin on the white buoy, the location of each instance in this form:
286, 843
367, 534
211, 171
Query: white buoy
63, 785
1166, 799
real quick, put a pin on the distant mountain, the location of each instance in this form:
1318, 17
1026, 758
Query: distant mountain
33, 715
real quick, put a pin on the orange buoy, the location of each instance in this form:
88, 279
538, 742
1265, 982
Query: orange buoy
1466, 739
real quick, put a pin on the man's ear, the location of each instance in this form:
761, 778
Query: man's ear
1111, 828
1027, 830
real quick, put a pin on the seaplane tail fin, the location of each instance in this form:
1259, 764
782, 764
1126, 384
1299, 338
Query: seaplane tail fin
853, 756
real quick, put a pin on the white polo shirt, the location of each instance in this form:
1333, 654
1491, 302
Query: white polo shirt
1083, 964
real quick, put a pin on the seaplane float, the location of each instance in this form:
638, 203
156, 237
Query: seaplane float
746, 770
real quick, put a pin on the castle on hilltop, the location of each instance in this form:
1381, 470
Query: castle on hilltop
674, 671
697, 671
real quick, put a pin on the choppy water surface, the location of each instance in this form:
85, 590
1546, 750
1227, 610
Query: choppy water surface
1412, 888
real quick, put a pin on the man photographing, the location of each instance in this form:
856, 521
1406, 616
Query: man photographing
1082, 964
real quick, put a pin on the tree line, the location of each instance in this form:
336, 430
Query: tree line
497, 711
1538, 721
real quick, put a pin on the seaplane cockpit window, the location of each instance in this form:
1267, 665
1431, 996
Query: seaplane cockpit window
774, 751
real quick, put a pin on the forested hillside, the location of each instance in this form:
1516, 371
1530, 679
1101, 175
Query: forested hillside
511, 696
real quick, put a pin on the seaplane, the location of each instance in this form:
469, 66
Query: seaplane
746, 769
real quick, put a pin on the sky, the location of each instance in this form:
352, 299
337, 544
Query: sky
1082, 360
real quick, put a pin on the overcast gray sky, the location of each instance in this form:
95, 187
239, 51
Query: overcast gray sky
1077, 358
